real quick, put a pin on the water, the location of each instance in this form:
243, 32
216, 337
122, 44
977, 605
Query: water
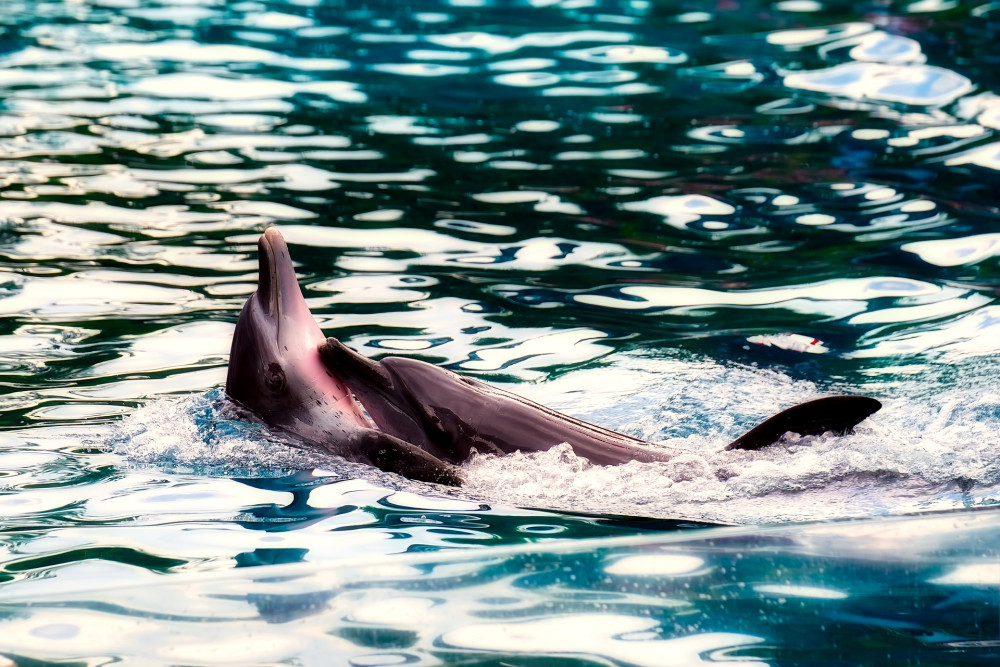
727, 596
671, 219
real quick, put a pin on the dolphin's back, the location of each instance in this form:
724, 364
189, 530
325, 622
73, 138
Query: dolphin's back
465, 415
450, 415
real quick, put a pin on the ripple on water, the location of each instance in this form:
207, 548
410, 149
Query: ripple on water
621, 638
956, 252
916, 85
645, 216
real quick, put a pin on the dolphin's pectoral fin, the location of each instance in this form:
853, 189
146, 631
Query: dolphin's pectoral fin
838, 414
337, 357
394, 455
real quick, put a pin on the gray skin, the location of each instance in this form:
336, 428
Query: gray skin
275, 371
450, 415
418, 419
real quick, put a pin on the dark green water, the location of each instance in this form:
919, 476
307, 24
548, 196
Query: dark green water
669, 218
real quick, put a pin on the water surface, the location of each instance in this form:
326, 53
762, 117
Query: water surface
672, 219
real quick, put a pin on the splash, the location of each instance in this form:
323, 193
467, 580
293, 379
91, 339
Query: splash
931, 447
205, 433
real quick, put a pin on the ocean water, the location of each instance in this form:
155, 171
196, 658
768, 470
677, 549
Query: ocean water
672, 219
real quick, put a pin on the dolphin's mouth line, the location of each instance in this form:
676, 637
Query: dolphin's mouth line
274, 302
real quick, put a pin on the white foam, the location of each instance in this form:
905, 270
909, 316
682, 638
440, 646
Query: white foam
191, 432
906, 457
912, 455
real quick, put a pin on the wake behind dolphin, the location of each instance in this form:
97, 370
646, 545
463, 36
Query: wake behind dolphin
416, 419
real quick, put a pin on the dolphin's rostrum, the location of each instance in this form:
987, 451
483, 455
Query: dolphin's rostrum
420, 420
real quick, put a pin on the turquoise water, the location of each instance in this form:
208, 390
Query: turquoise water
669, 218
815, 594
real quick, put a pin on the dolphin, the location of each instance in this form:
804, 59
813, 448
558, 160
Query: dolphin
276, 372
419, 420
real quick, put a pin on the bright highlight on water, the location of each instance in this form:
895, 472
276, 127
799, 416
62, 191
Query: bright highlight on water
669, 220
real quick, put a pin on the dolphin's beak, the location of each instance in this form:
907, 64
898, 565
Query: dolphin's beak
278, 286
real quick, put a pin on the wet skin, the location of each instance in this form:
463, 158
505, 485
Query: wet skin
275, 370
421, 419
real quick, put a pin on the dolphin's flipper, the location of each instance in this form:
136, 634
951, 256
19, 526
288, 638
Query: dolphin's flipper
838, 414
394, 455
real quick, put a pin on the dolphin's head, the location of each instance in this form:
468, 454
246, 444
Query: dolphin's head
275, 370
274, 365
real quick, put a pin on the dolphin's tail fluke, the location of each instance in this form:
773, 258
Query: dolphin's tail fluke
838, 414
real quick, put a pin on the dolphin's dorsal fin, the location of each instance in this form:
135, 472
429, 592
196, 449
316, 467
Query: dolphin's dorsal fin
838, 414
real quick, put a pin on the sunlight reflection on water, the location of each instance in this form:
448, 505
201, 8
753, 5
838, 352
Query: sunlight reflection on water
669, 220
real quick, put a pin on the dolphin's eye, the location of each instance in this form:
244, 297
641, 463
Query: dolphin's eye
274, 377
